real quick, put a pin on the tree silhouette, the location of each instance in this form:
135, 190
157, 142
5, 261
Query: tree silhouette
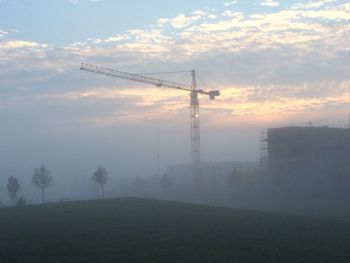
12, 188
21, 201
42, 179
100, 176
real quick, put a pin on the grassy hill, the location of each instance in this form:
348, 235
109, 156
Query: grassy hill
138, 230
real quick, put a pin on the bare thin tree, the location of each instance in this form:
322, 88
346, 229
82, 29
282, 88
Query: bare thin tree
100, 176
42, 179
12, 188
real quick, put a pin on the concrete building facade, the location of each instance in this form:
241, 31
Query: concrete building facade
309, 157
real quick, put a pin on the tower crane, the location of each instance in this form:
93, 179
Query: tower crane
194, 104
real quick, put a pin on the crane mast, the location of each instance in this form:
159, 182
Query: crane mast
194, 104
195, 129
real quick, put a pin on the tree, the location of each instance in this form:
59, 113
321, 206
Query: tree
21, 201
100, 176
12, 188
42, 179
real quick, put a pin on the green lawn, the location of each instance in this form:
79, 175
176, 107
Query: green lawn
138, 230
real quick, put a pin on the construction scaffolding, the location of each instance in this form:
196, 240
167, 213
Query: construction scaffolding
263, 153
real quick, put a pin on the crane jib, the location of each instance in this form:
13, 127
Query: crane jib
144, 79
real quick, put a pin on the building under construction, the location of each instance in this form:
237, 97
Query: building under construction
307, 157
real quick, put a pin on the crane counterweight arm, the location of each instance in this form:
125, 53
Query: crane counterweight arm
144, 79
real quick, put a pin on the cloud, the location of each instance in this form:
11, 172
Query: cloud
186, 35
313, 4
290, 60
16, 44
226, 4
3, 34
270, 3
181, 21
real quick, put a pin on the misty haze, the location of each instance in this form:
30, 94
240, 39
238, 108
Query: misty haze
144, 131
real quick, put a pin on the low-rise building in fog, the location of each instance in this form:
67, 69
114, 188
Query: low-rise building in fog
311, 157
217, 172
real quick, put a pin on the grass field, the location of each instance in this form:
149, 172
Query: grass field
139, 230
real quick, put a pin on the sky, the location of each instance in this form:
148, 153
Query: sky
275, 62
